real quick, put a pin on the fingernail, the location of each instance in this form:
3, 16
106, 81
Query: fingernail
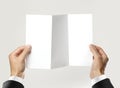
29, 46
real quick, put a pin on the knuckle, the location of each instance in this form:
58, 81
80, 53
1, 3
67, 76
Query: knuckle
107, 59
99, 56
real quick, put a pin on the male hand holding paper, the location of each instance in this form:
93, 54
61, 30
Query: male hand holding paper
17, 60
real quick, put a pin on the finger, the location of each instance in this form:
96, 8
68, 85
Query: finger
94, 50
101, 51
25, 52
17, 51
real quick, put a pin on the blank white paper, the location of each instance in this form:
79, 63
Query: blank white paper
38, 35
80, 36
59, 40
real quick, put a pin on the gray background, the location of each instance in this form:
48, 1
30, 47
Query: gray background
106, 19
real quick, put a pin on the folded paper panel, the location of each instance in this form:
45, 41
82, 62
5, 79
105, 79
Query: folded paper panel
38, 35
80, 36
59, 41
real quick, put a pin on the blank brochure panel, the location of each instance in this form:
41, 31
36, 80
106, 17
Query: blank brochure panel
39, 36
59, 41
80, 36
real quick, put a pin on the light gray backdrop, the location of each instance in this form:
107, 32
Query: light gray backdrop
106, 24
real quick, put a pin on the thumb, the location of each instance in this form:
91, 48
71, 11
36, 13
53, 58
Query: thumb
25, 52
94, 50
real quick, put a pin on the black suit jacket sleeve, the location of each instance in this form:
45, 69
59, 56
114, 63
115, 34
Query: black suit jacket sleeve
103, 84
12, 84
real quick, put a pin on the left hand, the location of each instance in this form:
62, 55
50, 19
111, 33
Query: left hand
17, 60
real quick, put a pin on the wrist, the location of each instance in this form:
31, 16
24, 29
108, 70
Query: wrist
21, 75
95, 74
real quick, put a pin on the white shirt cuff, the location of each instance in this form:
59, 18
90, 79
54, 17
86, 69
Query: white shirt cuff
98, 79
15, 78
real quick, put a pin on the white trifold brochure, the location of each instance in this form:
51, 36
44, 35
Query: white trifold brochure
59, 40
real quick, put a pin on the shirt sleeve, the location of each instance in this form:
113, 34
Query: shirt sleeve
16, 78
98, 79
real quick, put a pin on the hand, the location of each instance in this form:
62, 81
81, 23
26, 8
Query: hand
17, 60
100, 60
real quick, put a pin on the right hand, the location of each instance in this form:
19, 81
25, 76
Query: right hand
100, 60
